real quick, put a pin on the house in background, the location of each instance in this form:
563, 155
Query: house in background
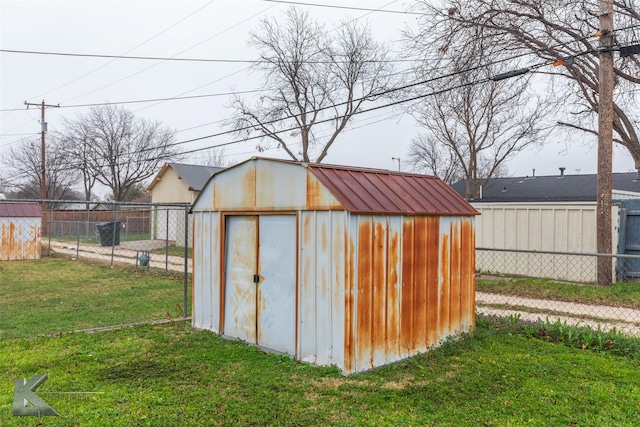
333, 265
555, 188
175, 183
554, 214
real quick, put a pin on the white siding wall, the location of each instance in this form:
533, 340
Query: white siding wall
206, 275
540, 227
323, 272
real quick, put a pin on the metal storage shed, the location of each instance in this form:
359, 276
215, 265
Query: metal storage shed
20, 227
333, 265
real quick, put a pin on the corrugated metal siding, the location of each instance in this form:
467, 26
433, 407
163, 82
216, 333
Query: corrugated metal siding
541, 227
384, 192
19, 238
207, 270
20, 210
414, 286
323, 276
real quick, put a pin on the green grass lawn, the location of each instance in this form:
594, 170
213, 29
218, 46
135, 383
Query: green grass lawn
619, 294
94, 238
172, 375
56, 295
173, 251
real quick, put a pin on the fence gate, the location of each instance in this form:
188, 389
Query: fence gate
629, 240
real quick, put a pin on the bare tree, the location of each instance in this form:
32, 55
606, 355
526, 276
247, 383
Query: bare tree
474, 122
215, 157
78, 147
110, 145
23, 164
427, 156
313, 76
561, 31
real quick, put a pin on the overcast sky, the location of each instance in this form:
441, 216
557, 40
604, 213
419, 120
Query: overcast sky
199, 29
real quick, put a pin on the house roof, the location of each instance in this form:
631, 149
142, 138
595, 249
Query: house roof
381, 191
556, 188
194, 176
20, 210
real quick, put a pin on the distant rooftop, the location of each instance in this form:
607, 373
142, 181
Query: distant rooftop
555, 188
195, 176
20, 209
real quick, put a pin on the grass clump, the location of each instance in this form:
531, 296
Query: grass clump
581, 337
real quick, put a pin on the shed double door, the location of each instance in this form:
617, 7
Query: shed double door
260, 280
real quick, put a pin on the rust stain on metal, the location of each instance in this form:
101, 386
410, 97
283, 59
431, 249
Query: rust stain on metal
467, 273
445, 287
408, 260
378, 290
455, 316
307, 231
248, 186
392, 313
420, 267
349, 344
364, 316
314, 193
432, 263
318, 197
18, 243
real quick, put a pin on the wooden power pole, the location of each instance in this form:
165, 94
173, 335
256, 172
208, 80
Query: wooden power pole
605, 142
43, 160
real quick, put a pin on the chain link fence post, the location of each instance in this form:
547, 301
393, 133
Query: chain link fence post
186, 261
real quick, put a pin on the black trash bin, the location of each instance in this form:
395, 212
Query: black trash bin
109, 233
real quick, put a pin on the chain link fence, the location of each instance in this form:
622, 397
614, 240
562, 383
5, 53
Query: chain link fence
559, 287
141, 253
144, 235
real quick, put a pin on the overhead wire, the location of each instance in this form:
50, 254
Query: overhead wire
365, 110
375, 108
330, 6
172, 56
174, 59
130, 50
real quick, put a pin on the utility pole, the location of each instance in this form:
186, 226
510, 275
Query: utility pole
43, 159
605, 141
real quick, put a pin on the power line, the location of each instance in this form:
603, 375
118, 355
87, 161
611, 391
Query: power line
182, 51
173, 58
375, 108
299, 3
139, 101
394, 103
130, 50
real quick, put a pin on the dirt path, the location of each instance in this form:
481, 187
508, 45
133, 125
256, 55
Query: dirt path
607, 317
127, 252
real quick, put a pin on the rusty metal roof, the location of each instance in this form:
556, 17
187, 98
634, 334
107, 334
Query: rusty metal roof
378, 191
19, 209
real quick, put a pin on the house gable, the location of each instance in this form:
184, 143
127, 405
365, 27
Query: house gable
170, 188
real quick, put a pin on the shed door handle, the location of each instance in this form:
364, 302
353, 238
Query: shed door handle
256, 278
